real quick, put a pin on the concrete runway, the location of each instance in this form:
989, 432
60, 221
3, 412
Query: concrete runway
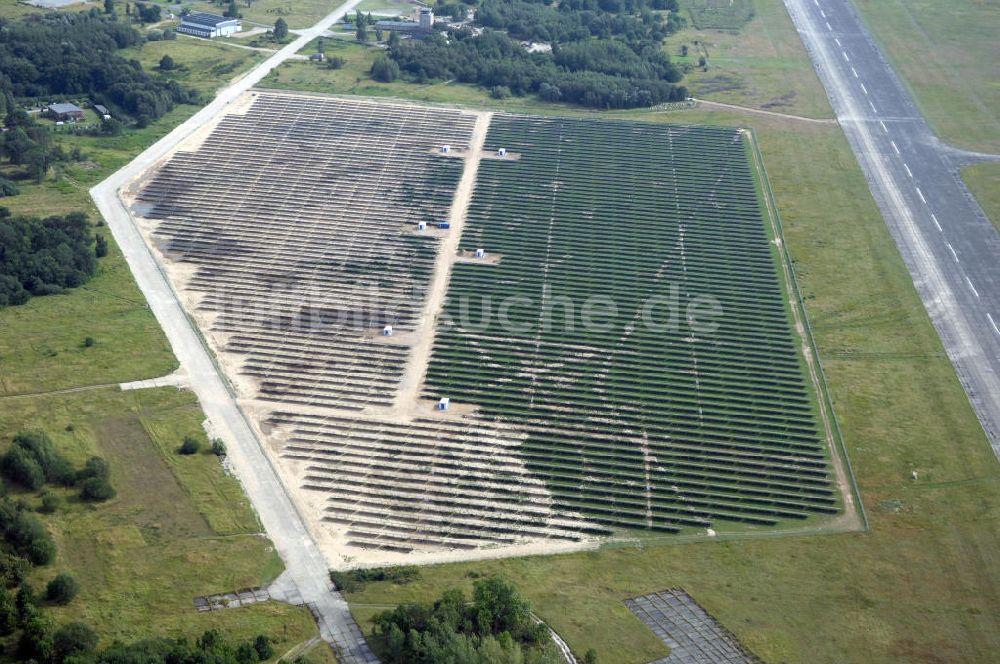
305, 580
950, 247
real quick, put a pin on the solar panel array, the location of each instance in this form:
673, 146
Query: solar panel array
292, 231
637, 416
297, 218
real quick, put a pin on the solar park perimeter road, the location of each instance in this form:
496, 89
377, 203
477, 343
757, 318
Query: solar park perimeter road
306, 577
948, 244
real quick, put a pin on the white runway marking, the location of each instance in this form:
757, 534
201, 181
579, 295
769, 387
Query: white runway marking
864, 89
838, 41
993, 323
971, 287
908, 171
828, 26
894, 146
921, 195
855, 72
873, 107
844, 53
822, 13
934, 219
883, 126
952, 250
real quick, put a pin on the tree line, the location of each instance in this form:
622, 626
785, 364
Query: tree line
65, 54
604, 53
597, 74
577, 20
44, 256
496, 626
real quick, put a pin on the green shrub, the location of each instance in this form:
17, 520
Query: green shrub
13, 570
21, 468
96, 490
8, 188
8, 612
191, 445
38, 446
35, 642
61, 589
384, 69
262, 644
355, 579
50, 503
95, 467
25, 603
73, 640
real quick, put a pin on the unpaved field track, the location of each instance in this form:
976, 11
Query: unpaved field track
409, 389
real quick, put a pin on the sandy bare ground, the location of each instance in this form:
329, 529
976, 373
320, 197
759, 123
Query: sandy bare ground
405, 404
760, 111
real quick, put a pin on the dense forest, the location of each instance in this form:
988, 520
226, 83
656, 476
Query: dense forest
43, 256
497, 626
58, 55
604, 53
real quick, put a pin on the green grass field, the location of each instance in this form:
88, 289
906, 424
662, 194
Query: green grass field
924, 579
984, 182
142, 557
387, 7
762, 65
16, 9
719, 14
298, 14
203, 64
947, 52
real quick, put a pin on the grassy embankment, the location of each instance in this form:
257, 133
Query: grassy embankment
924, 583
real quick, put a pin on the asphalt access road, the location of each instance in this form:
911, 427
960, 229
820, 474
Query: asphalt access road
950, 247
305, 580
